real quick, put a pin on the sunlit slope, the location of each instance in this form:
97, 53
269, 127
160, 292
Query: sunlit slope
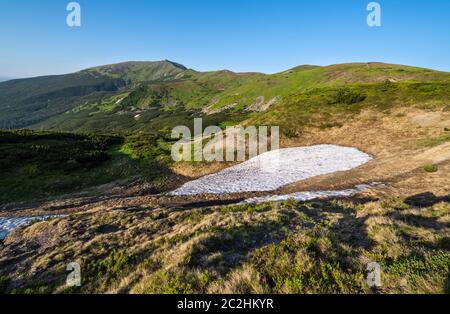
150, 96
25, 102
134, 72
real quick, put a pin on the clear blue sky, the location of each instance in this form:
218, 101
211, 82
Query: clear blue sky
240, 35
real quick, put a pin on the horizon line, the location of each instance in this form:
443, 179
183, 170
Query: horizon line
10, 78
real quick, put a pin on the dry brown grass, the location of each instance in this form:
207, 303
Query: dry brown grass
312, 247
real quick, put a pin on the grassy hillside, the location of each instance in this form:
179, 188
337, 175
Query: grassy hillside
306, 96
292, 99
136, 241
154, 106
38, 165
25, 102
289, 247
136, 72
152, 95
329, 107
28, 101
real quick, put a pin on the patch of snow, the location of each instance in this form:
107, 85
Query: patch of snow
260, 104
274, 169
7, 224
307, 196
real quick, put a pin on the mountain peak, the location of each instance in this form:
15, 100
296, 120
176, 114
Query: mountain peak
120, 66
140, 71
175, 64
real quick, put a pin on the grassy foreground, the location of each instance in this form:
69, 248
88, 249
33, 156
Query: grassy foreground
140, 243
289, 247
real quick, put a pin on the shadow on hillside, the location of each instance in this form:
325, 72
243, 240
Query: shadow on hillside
420, 221
209, 203
228, 248
349, 230
419, 201
426, 199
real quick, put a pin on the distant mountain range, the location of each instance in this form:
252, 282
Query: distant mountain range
151, 96
5, 78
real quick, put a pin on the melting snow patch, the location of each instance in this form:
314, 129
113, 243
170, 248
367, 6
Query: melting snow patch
7, 224
274, 169
307, 196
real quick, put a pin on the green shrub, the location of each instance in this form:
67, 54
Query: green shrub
111, 267
249, 208
33, 289
430, 168
30, 170
93, 156
348, 97
289, 133
37, 165
285, 271
4, 282
171, 282
437, 262
444, 243
434, 141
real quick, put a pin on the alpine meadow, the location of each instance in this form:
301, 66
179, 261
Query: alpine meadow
349, 192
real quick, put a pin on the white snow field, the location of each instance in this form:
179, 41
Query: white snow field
307, 196
272, 170
7, 224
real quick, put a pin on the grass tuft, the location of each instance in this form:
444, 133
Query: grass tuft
430, 168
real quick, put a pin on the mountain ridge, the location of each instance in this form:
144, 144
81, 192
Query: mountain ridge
125, 94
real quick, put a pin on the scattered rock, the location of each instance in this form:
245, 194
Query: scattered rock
260, 105
210, 111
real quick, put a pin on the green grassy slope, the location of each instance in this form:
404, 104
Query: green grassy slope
331, 106
150, 96
28, 101
141, 71
153, 106
225, 97
37, 165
